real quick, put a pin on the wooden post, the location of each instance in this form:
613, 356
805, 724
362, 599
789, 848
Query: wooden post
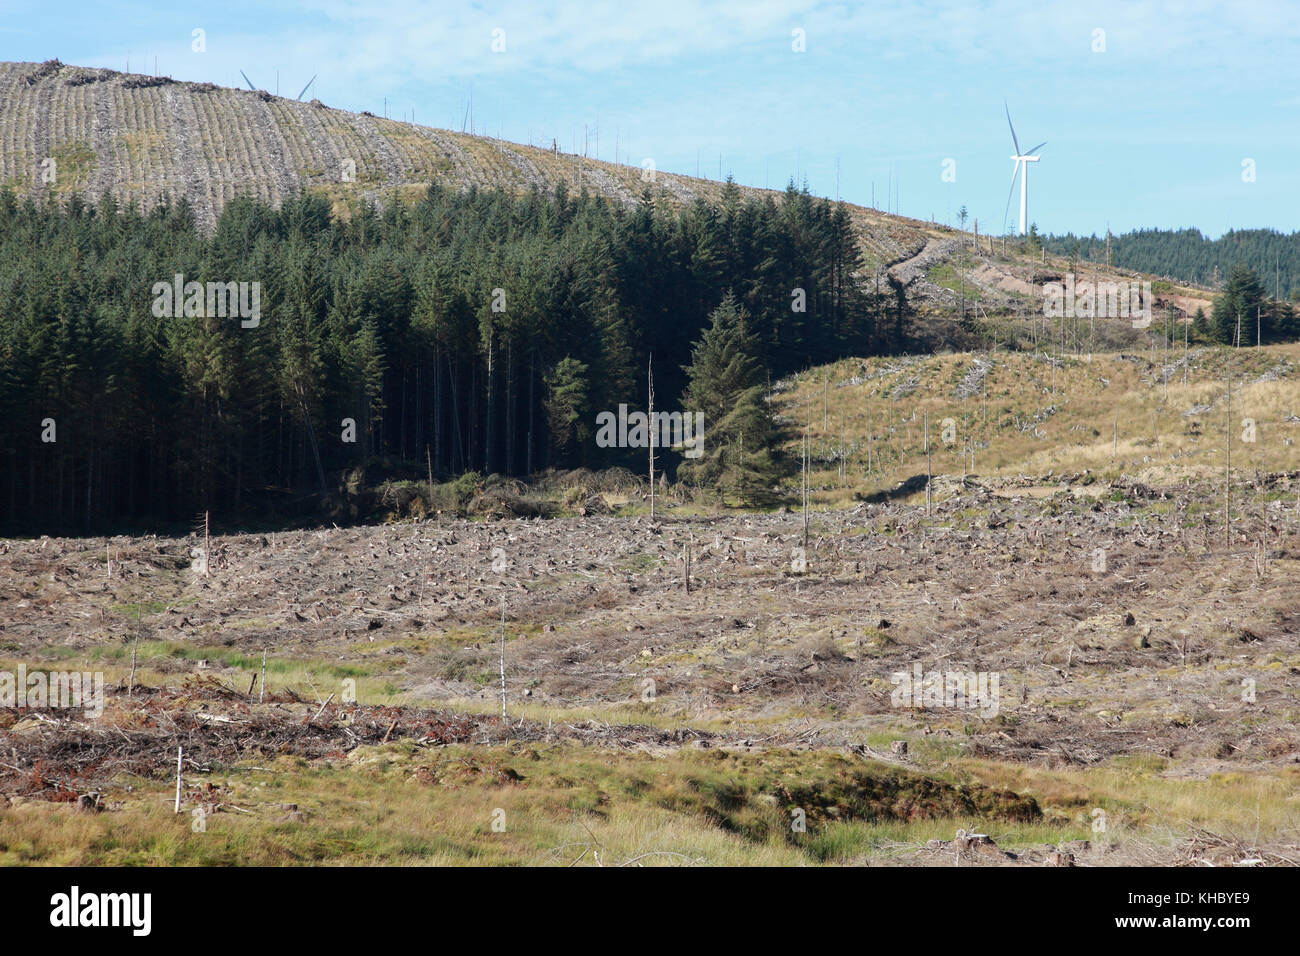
130, 681
503, 657
180, 753
927, 462
207, 546
686, 567
262, 694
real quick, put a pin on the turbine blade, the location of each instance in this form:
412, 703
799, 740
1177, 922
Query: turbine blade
1036, 148
309, 83
1013, 129
248, 81
1011, 192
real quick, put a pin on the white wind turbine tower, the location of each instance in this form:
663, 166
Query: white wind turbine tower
1022, 161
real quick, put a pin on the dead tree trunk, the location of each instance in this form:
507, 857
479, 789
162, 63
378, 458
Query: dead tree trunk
1227, 467
650, 422
927, 462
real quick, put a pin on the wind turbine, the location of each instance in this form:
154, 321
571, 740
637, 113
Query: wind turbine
1022, 160
300, 95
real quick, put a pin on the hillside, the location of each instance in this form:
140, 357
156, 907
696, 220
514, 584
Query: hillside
134, 137
1082, 419
369, 651
667, 712
141, 138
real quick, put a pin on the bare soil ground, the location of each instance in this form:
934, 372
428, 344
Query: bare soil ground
1132, 637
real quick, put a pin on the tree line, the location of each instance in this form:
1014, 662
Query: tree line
1189, 256
469, 331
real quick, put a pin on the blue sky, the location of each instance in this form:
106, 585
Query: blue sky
1151, 131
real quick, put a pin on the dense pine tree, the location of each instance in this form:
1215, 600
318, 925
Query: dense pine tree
475, 331
1187, 255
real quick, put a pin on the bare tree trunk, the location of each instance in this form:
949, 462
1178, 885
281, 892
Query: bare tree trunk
532, 361
489, 439
1227, 467
437, 407
1186, 325
805, 489
927, 463
503, 657
455, 415
180, 754
844, 460
650, 422
510, 407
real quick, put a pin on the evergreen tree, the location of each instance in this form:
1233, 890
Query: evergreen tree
1235, 306
726, 383
568, 409
384, 317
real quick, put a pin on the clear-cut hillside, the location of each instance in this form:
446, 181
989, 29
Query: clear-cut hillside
68, 130
142, 137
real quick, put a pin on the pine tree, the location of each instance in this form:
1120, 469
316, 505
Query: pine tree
726, 384
568, 408
1236, 304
